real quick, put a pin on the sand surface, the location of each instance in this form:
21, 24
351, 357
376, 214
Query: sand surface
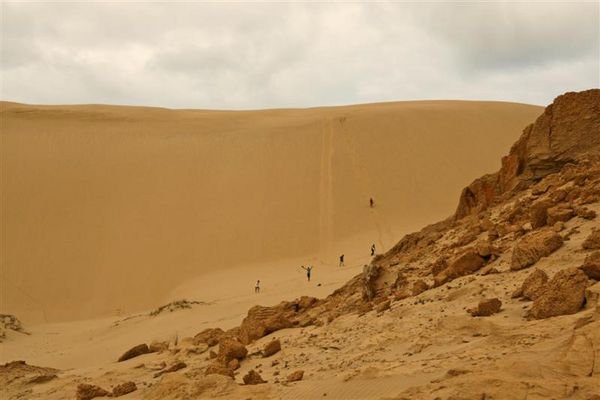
108, 211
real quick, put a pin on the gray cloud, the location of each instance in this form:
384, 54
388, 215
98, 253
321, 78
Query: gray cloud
236, 55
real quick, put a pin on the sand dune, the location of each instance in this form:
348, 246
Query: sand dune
109, 210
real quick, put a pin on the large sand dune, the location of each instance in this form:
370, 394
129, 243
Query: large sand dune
111, 210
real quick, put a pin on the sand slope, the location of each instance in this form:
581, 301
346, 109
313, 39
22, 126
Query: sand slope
107, 210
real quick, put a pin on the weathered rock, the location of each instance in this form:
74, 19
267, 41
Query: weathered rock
123, 389
370, 274
539, 213
230, 349
466, 263
486, 308
88, 392
438, 266
591, 266
592, 242
534, 284
233, 364
212, 354
218, 369
271, 348
210, 336
564, 294
585, 213
175, 367
529, 249
134, 352
158, 346
253, 378
295, 376
559, 213
419, 287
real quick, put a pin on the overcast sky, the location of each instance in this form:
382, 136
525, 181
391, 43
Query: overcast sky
240, 56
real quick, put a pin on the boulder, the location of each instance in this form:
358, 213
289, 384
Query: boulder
253, 378
534, 284
535, 245
229, 349
592, 242
564, 294
295, 376
466, 263
538, 213
210, 336
486, 308
88, 392
271, 348
123, 389
438, 266
218, 369
134, 352
591, 266
233, 364
419, 287
559, 213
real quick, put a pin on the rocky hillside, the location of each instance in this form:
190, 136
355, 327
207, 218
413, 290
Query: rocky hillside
499, 301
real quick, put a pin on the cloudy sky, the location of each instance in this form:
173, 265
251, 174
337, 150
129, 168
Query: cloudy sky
263, 55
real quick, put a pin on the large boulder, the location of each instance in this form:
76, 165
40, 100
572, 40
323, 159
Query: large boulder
134, 352
271, 348
564, 294
534, 284
591, 266
592, 242
539, 213
229, 349
466, 263
529, 249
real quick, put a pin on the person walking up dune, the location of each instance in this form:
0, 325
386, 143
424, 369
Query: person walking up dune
308, 270
342, 260
257, 287
372, 249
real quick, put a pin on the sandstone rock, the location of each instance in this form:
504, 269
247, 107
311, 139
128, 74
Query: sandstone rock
564, 294
559, 213
253, 378
592, 297
466, 263
528, 250
534, 284
585, 213
295, 376
592, 242
558, 227
233, 364
230, 349
218, 369
539, 213
173, 368
271, 348
134, 352
212, 354
88, 392
486, 308
210, 336
123, 389
591, 266
369, 278
438, 266
419, 287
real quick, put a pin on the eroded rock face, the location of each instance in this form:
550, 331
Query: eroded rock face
210, 336
466, 263
534, 246
229, 349
591, 266
564, 294
419, 287
566, 130
135, 352
370, 274
534, 284
592, 242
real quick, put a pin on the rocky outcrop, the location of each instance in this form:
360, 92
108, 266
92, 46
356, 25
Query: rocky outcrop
253, 378
533, 285
88, 392
591, 266
274, 346
229, 349
135, 352
370, 275
466, 263
486, 307
534, 246
210, 336
419, 287
567, 129
564, 294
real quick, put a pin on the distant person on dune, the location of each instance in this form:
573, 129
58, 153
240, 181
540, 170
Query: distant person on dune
308, 270
257, 287
371, 202
342, 260
372, 249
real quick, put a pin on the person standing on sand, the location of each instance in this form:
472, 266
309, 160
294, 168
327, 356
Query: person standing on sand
372, 249
257, 287
308, 270
342, 260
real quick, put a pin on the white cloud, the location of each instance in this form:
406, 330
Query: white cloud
235, 55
